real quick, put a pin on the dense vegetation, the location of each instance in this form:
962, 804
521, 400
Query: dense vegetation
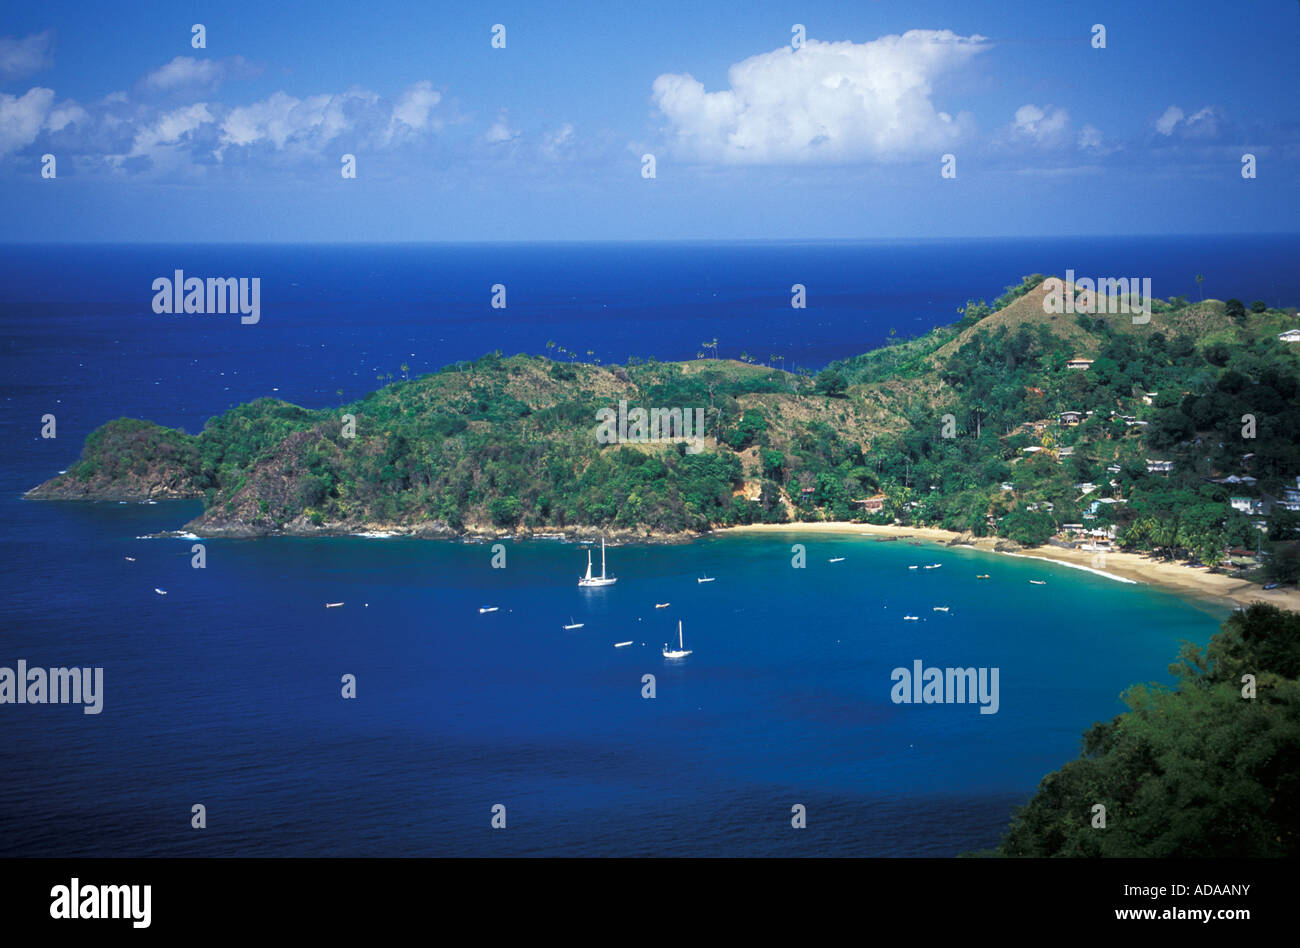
1207, 769
958, 428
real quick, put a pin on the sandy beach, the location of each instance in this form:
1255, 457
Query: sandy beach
1192, 582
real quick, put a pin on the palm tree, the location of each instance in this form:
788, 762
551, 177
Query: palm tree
338, 392
1200, 278
405, 368
699, 355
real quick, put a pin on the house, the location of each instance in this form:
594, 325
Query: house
1247, 505
1007, 485
1113, 469
874, 503
1066, 452
1032, 449
1159, 467
1096, 504
1084, 364
1071, 418
1291, 335
1087, 487
1148, 398
1291, 496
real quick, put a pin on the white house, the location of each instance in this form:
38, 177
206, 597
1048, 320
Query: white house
1291, 335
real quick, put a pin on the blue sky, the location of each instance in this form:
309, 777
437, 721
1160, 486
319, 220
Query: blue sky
155, 140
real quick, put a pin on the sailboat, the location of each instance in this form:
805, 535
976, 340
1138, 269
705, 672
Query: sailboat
483, 609
573, 625
333, 605
681, 651
836, 559
1039, 582
602, 579
706, 578
662, 605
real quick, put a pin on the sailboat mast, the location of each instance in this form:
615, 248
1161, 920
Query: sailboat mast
680, 644
602, 557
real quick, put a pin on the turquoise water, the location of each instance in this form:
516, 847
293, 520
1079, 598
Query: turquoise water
226, 692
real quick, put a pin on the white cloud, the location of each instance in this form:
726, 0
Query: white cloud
1046, 126
554, 143
826, 101
22, 57
1090, 137
170, 128
186, 72
1202, 124
1165, 124
21, 118
65, 114
501, 130
414, 109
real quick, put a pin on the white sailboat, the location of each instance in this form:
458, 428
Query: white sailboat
662, 605
333, 605
706, 578
573, 625
836, 559
483, 609
602, 579
681, 651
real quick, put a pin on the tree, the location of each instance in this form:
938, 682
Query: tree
831, 383
1235, 309
1259, 306
1200, 279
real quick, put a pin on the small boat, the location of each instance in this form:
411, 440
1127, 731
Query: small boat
934, 566
940, 609
131, 559
484, 609
681, 651
622, 644
602, 579
573, 625
910, 618
1039, 582
161, 592
836, 559
706, 579
332, 605
982, 576
914, 567
662, 605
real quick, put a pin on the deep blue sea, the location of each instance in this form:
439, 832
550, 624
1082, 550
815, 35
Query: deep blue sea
226, 692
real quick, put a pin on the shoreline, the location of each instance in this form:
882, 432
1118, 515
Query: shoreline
1187, 581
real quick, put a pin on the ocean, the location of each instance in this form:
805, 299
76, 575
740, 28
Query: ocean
226, 692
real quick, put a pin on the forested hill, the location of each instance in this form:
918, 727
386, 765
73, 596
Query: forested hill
928, 430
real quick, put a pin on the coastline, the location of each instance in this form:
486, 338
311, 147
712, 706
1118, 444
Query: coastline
1187, 581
